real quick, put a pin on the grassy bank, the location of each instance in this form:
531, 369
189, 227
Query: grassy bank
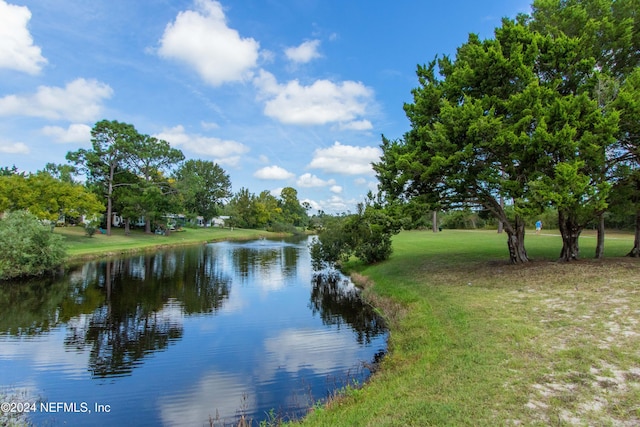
81, 246
476, 341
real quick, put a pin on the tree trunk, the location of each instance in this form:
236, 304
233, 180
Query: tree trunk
570, 231
109, 209
147, 226
515, 231
112, 171
600, 244
500, 223
635, 252
515, 241
127, 227
434, 221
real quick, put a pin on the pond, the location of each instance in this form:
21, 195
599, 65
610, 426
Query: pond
192, 336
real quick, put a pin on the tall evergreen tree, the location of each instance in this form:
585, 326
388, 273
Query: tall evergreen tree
112, 145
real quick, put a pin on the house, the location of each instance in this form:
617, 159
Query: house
218, 221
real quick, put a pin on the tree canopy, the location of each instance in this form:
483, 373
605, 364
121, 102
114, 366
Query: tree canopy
204, 186
517, 117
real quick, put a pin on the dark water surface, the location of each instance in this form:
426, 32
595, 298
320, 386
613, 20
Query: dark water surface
182, 337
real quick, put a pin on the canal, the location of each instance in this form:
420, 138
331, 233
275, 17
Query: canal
191, 336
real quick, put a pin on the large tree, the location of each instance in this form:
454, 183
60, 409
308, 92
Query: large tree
204, 186
112, 146
292, 211
606, 38
509, 118
121, 157
470, 127
628, 167
241, 209
152, 161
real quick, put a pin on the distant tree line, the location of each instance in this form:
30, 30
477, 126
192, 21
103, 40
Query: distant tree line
139, 177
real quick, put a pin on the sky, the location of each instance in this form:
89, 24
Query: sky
279, 93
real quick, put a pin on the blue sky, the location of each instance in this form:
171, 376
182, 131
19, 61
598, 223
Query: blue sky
277, 92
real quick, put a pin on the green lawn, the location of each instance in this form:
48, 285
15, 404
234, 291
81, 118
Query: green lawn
80, 246
476, 341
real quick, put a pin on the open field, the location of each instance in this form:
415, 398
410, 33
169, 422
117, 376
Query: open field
81, 246
476, 341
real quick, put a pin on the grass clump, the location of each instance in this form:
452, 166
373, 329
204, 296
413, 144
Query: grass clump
476, 341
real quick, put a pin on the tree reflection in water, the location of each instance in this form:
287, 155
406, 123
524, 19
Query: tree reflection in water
120, 309
338, 301
145, 299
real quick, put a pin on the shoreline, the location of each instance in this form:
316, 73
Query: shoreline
82, 248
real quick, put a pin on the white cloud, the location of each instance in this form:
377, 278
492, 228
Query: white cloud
209, 125
309, 181
337, 189
320, 103
273, 172
79, 101
17, 51
223, 152
276, 192
357, 125
345, 159
201, 39
304, 53
337, 204
13, 147
75, 133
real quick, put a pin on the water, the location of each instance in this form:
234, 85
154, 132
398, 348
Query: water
184, 337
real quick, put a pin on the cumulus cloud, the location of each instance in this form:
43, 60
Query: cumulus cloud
273, 172
320, 103
201, 39
337, 189
223, 152
345, 159
75, 133
304, 53
276, 192
9, 147
337, 204
17, 51
79, 101
310, 181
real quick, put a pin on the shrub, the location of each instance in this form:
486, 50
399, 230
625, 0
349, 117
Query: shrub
366, 234
29, 248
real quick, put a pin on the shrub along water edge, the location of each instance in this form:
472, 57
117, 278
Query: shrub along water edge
29, 248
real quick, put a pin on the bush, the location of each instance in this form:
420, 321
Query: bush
90, 230
366, 234
29, 248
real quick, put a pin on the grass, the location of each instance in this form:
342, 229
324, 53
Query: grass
79, 245
476, 341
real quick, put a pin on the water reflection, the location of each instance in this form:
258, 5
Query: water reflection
238, 325
338, 302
